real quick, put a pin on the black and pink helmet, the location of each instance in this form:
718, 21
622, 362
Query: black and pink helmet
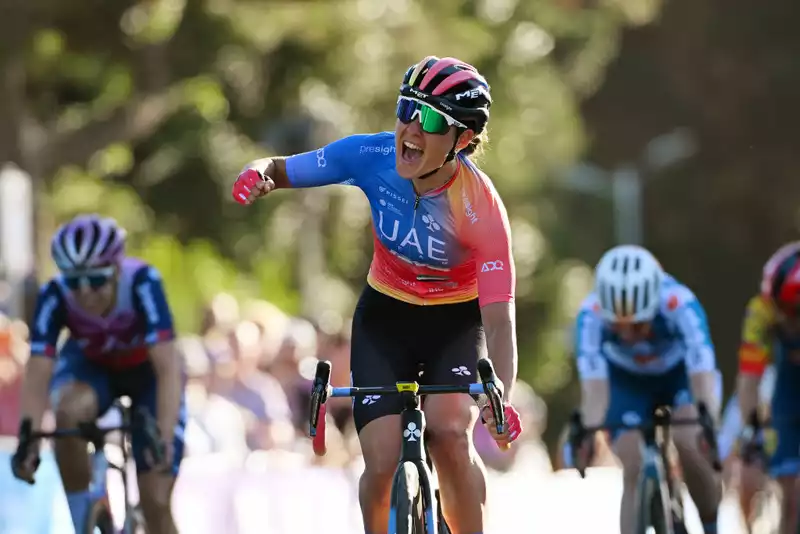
452, 86
88, 242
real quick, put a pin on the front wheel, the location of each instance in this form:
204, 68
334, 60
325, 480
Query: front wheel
653, 509
99, 520
405, 515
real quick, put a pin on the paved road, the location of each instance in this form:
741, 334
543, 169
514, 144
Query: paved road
275, 493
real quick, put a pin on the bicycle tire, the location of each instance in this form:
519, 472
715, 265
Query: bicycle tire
137, 522
99, 519
652, 510
407, 501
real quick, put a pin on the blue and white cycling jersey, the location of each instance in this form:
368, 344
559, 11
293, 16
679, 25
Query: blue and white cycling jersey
679, 333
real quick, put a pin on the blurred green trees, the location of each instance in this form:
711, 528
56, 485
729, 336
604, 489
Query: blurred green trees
147, 111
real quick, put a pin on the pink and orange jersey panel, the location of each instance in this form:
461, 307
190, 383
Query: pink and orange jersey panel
449, 245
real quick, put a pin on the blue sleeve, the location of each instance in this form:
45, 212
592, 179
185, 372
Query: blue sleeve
692, 322
336, 163
49, 318
150, 302
591, 363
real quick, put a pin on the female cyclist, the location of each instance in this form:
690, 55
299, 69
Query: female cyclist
771, 336
440, 290
120, 343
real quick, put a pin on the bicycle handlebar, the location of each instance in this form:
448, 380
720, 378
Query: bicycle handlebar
751, 440
578, 432
321, 390
94, 434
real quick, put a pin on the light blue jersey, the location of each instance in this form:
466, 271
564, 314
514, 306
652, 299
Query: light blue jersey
679, 334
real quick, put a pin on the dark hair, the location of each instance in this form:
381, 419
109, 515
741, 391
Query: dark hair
475, 147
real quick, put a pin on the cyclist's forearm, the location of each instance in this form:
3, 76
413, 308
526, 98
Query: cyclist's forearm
275, 168
35, 388
501, 341
595, 396
747, 392
168, 369
704, 389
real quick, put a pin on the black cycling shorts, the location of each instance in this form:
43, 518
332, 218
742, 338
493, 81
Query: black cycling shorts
393, 341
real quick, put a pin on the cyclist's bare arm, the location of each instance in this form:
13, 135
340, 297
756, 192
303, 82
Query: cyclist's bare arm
34, 401
501, 341
274, 168
704, 389
168, 367
747, 391
595, 396
592, 366
754, 355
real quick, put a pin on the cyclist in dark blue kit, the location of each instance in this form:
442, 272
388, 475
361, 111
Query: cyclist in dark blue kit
120, 343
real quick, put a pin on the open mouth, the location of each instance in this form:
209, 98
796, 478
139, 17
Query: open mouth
411, 153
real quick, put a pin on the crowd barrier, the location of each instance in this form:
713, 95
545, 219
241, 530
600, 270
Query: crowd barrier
280, 494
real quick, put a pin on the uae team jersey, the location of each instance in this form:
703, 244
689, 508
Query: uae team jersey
120, 339
449, 245
679, 333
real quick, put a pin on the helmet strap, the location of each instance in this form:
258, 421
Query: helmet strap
450, 157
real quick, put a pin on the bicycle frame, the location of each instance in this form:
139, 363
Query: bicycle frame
656, 467
412, 449
100, 464
655, 447
412, 420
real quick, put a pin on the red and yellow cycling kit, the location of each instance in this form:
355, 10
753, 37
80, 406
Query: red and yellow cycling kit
763, 342
758, 336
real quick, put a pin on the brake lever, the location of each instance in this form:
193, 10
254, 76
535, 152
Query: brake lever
709, 435
23, 444
577, 434
152, 434
493, 388
753, 446
319, 394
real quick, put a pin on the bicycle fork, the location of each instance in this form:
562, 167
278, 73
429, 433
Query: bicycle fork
98, 487
412, 450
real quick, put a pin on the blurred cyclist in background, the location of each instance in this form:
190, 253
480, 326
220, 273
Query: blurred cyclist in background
642, 339
441, 285
120, 343
771, 334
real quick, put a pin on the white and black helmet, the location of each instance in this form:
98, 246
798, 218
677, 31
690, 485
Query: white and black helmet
628, 282
86, 242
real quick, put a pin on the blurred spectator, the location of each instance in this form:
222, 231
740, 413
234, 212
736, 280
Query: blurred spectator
294, 366
215, 424
335, 347
14, 353
220, 315
272, 324
259, 394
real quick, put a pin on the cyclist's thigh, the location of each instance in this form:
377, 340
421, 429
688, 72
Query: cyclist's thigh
675, 389
145, 396
677, 392
78, 384
379, 354
456, 340
632, 397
